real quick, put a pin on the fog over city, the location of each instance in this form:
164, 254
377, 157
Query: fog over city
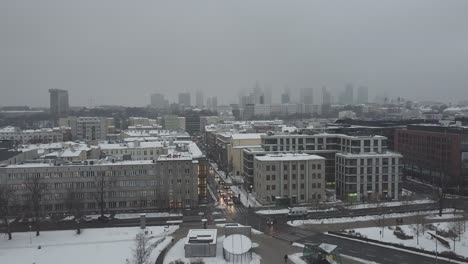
119, 52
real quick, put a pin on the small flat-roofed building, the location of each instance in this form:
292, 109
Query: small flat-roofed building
201, 243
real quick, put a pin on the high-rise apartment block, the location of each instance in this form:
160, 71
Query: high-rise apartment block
58, 103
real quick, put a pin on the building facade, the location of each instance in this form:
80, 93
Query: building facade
436, 154
300, 177
177, 180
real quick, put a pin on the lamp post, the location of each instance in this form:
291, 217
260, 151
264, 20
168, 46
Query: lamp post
30, 237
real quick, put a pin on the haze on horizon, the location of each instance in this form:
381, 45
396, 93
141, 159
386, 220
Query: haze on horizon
119, 52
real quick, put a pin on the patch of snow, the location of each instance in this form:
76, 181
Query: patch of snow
256, 232
295, 244
103, 245
362, 261
426, 242
443, 217
388, 204
357, 218
148, 215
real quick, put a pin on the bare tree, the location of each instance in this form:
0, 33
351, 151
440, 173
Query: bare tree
419, 226
7, 206
102, 184
142, 249
36, 189
457, 229
74, 206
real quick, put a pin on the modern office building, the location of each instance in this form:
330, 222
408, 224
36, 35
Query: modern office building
437, 154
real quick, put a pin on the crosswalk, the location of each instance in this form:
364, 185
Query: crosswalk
235, 209
291, 235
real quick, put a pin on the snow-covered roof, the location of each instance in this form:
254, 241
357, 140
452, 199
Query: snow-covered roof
288, 157
237, 244
143, 144
199, 236
247, 136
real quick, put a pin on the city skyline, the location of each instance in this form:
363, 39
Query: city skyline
104, 58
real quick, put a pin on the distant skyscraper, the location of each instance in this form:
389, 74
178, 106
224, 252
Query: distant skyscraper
285, 98
326, 97
267, 96
307, 96
184, 99
212, 103
158, 101
199, 99
347, 96
58, 102
363, 95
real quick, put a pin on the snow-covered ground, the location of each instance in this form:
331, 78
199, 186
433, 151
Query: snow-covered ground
148, 215
104, 245
425, 240
388, 204
285, 211
243, 194
359, 218
443, 217
177, 252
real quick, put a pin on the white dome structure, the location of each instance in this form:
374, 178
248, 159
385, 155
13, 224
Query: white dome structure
237, 249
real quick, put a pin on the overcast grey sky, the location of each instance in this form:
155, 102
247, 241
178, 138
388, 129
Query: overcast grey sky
118, 52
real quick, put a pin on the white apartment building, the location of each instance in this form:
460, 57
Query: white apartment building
300, 177
87, 128
368, 176
43, 135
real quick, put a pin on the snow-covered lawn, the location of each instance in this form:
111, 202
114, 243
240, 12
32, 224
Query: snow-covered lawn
177, 252
388, 204
425, 240
358, 218
243, 194
148, 215
104, 245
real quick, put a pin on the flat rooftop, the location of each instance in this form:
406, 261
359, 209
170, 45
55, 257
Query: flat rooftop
201, 236
288, 157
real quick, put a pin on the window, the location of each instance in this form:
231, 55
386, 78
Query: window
294, 167
285, 186
313, 185
273, 187
268, 187
302, 176
273, 177
285, 167
313, 166
268, 177
294, 186
302, 166
285, 177
294, 176
302, 186
267, 168
314, 176
302, 197
319, 185
273, 167
319, 175
319, 166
